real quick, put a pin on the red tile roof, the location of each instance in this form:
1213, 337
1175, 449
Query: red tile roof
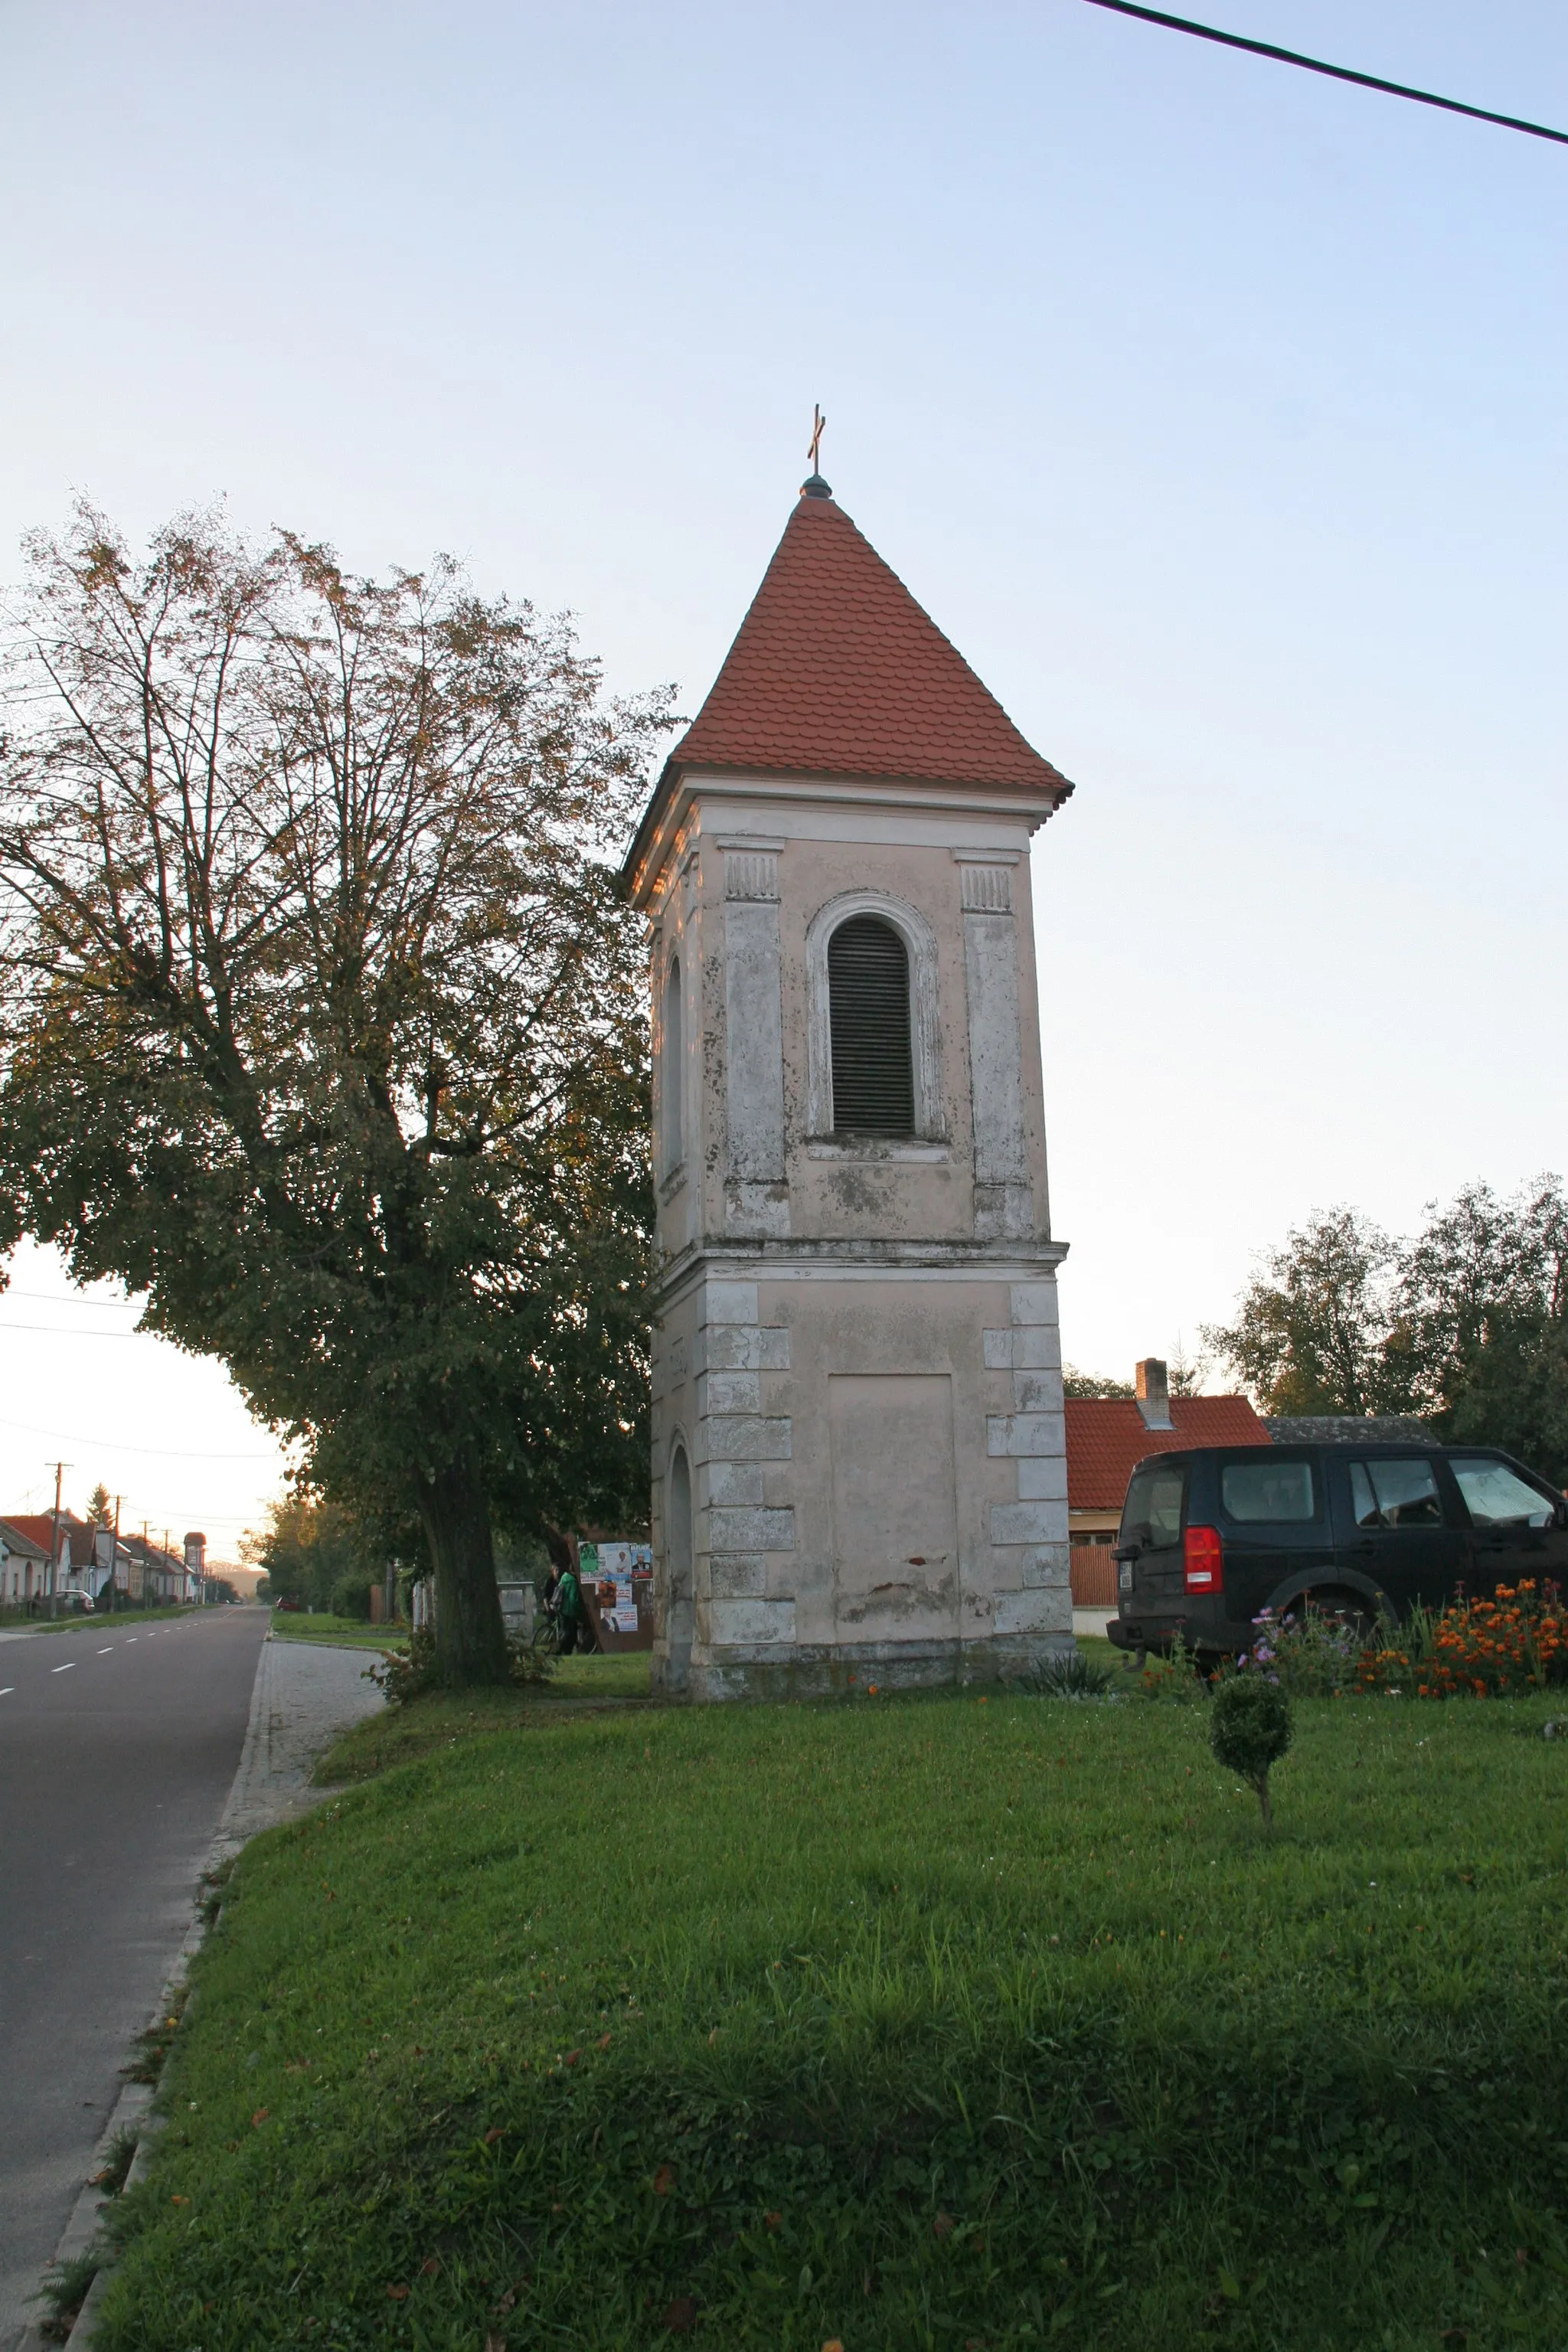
22, 1529
837, 671
1107, 1440
38, 1529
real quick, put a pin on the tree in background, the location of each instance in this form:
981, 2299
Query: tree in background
1185, 1377
322, 1019
1092, 1384
100, 1506
310, 1547
1483, 1309
1311, 1333
1466, 1323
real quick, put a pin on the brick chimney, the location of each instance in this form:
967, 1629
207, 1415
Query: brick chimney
1152, 1392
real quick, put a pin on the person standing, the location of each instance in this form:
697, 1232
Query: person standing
569, 1609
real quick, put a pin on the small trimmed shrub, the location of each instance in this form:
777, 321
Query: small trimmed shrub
351, 1598
1249, 1731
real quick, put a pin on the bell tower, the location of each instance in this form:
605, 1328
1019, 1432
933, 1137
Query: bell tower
858, 1458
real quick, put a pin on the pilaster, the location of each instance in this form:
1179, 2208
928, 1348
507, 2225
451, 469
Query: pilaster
1003, 1201
756, 1197
1029, 1537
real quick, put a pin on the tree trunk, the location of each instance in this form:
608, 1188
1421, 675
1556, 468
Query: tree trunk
1264, 1800
470, 1637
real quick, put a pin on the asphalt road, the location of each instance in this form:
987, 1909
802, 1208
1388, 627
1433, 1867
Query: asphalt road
117, 1749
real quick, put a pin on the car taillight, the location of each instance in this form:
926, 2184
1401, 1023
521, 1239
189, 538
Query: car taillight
1203, 1560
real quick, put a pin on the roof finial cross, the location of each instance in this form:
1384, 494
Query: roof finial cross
815, 452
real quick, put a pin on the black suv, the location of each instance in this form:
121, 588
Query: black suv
1212, 1538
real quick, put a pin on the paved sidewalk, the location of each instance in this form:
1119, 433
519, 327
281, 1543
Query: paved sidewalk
306, 1693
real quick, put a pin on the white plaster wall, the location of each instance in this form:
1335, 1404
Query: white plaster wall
872, 1268
746, 1375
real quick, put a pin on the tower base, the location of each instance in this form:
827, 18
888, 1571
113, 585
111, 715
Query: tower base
863, 1471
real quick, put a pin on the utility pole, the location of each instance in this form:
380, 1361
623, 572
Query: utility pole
59, 1469
114, 1571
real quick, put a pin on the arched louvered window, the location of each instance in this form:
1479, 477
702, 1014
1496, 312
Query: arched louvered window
672, 1070
869, 1012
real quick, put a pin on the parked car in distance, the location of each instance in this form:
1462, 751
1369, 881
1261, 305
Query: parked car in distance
1213, 1538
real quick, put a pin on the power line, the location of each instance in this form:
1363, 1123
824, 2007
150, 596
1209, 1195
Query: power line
1334, 73
69, 1298
118, 1445
61, 1331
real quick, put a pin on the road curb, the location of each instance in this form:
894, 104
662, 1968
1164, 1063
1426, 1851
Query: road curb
245, 1815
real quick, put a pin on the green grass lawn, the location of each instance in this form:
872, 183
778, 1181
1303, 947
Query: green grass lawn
94, 1621
294, 1626
925, 2022
576, 1686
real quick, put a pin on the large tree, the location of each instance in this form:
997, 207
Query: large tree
322, 1022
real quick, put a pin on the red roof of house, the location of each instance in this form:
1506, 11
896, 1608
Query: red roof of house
1107, 1440
21, 1531
837, 671
39, 1527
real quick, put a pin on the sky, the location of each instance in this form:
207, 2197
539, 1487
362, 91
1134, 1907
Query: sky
1215, 411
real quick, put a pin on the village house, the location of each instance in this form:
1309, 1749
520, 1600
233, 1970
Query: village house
88, 1562
1107, 1437
32, 1535
24, 1562
153, 1576
858, 1467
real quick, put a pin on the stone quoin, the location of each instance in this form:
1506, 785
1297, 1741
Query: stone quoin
858, 1458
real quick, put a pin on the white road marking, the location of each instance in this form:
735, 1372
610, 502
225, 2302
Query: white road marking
7, 1691
104, 1654
64, 1669
133, 1637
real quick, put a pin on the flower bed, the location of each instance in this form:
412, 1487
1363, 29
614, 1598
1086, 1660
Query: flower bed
1514, 1643
1509, 1646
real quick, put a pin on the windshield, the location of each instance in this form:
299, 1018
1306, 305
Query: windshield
1495, 1496
1152, 1515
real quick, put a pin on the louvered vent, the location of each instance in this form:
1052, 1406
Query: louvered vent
868, 1002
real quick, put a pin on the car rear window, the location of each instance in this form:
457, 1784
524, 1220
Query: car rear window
1152, 1515
1269, 1494
1495, 1497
